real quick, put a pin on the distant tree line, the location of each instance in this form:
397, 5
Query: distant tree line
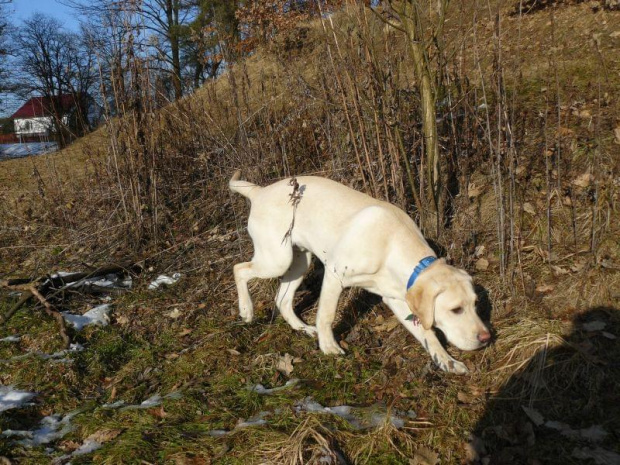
176, 45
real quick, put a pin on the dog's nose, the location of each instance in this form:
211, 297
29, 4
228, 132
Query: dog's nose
484, 337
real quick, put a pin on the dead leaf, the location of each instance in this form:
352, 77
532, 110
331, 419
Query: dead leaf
122, 320
479, 251
585, 114
285, 364
174, 314
424, 456
565, 132
464, 398
474, 449
158, 412
104, 435
617, 135
529, 208
583, 180
473, 191
388, 326
577, 266
233, 352
558, 271
545, 288
608, 335
187, 460
482, 264
185, 332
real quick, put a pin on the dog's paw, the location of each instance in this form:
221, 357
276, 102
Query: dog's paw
246, 313
454, 367
331, 348
309, 330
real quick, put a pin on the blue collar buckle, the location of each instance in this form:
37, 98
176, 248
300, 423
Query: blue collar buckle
424, 263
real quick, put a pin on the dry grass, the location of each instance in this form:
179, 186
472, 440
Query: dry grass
163, 199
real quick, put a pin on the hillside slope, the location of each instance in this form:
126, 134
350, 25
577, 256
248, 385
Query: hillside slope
336, 98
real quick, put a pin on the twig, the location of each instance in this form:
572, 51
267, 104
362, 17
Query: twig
50, 310
26, 296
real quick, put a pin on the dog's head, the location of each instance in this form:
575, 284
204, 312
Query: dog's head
444, 297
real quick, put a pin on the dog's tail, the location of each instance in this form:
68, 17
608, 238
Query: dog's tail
245, 188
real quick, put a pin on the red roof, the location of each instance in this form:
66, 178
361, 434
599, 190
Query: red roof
42, 106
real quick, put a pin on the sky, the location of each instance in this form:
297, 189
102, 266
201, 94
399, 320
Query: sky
23, 9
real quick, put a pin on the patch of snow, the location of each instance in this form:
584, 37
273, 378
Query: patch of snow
58, 357
256, 420
8, 151
260, 389
111, 281
152, 401
113, 405
96, 316
599, 455
218, 433
11, 398
61, 274
50, 429
89, 445
358, 417
11, 339
595, 433
164, 280
594, 326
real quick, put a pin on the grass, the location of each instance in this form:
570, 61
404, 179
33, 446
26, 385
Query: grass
541, 357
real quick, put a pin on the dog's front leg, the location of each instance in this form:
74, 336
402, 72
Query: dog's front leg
426, 337
328, 303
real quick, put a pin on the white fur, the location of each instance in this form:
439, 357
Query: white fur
362, 242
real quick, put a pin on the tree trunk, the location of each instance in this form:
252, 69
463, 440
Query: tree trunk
423, 77
172, 16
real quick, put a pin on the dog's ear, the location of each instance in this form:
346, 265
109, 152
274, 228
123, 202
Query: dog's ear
421, 301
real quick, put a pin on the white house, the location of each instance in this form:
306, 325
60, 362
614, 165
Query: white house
34, 117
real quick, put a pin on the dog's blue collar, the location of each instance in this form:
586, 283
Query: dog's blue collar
424, 263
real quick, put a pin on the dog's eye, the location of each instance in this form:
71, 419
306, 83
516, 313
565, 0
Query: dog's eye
457, 310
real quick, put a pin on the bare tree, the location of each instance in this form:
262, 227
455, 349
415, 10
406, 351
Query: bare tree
423, 26
4, 47
55, 63
163, 21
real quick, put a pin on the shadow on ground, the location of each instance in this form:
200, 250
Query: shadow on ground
563, 405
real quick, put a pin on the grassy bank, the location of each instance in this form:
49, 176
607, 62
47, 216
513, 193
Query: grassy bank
341, 103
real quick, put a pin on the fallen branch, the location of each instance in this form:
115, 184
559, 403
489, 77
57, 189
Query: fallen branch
26, 296
47, 287
50, 310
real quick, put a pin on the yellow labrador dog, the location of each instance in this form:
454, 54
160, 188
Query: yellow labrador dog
362, 242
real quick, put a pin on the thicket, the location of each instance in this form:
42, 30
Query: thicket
392, 100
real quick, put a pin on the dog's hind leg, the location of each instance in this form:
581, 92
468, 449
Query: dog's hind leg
288, 285
268, 262
328, 304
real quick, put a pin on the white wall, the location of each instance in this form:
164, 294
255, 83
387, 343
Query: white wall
41, 125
